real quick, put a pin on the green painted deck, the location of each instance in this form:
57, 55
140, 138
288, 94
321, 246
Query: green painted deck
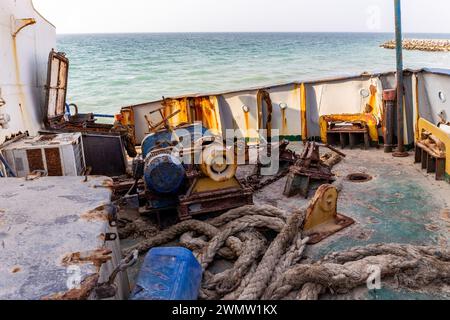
401, 204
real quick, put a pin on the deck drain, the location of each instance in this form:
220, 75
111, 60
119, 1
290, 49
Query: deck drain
359, 177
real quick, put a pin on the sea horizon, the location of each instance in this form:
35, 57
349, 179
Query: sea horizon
112, 70
251, 32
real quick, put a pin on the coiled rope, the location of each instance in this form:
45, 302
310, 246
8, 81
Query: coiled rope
275, 270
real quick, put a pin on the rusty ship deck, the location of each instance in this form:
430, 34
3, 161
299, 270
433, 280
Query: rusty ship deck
400, 203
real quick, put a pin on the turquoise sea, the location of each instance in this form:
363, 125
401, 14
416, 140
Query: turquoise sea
108, 71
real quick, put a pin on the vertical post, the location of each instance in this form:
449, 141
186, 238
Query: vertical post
389, 100
400, 94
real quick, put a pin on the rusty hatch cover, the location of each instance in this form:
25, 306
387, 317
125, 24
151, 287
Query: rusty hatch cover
41, 223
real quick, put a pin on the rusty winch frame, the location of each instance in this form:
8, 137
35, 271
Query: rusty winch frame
307, 168
206, 196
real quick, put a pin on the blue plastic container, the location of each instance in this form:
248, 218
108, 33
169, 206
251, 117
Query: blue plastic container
168, 274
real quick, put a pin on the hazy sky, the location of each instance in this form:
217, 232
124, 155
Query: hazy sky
99, 16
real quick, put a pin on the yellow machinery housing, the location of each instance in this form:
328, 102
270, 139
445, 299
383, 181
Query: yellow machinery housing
322, 218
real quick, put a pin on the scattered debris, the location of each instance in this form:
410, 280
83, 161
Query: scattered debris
330, 160
309, 167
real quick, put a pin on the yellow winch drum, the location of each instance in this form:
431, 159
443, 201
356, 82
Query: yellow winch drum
218, 162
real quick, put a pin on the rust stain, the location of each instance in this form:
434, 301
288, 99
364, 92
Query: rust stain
303, 112
205, 112
19, 84
369, 206
363, 235
432, 227
108, 183
16, 270
98, 214
247, 124
373, 220
284, 122
373, 101
214, 113
81, 293
96, 257
445, 215
174, 105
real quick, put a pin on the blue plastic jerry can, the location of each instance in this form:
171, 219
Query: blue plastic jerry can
168, 274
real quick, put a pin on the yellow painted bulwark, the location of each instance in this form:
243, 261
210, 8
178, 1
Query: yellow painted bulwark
303, 119
207, 112
172, 106
367, 118
425, 125
373, 100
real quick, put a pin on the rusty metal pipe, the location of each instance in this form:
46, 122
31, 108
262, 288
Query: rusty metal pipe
389, 98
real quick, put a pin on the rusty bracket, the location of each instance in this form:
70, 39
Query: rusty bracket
36, 175
112, 215
18, 24
110, 236
322, 219
96, 257
86, 172
109, 289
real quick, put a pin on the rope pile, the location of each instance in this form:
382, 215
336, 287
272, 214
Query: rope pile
275, 270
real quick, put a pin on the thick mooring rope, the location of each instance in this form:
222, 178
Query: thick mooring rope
275, 270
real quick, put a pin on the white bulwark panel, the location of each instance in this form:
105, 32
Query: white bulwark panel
26, 40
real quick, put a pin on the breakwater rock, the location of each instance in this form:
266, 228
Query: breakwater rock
435, 45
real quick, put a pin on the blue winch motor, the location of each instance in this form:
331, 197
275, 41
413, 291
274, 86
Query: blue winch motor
164, 173
165, 138
168, 274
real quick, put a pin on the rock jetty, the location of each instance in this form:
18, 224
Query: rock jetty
434, 45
